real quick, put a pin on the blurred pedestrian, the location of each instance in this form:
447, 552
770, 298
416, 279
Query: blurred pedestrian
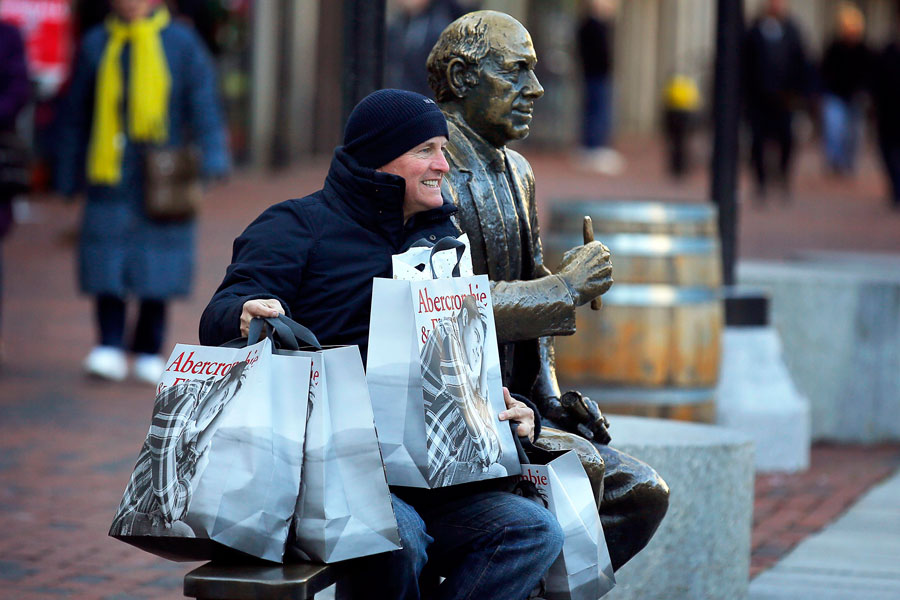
142, 85
845, 67
775, 79
886, 95
15, 90
681, 113
47, 27
411, 34
595, 49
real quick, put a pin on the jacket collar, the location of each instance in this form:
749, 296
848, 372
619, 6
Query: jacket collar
373, 199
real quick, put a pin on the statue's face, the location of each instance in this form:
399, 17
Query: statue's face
499, 107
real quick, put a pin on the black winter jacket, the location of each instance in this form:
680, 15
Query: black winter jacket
318, 255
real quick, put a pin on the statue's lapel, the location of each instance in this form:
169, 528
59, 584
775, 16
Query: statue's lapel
484, 203
491, 220
520, 193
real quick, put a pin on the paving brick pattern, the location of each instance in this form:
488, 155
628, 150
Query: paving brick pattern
67, 444
789, 508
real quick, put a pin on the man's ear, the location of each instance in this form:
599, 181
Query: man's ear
460, 77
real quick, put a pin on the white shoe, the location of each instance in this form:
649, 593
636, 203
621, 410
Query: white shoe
605, 161
106, 362
148, 368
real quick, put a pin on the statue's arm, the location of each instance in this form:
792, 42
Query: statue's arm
525, 310
543, 305
546, 386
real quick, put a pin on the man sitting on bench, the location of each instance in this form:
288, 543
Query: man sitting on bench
314, 259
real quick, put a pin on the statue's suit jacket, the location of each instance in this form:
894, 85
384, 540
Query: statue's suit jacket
529, 309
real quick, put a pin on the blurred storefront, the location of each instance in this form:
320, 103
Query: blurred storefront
280, 60
281, 64
655, 40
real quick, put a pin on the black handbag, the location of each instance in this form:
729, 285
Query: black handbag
15, 165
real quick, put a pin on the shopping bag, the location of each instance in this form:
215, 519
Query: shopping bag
583, 570
425, 260
434, 377
344, 508
220, 466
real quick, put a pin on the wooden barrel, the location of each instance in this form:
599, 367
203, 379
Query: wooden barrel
654, 347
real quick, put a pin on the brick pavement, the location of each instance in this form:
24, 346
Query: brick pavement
789, 508
67, 444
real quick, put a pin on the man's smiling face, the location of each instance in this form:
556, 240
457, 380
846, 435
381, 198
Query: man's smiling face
423, 167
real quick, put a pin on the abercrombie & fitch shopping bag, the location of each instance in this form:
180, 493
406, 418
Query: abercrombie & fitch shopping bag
220, 466
434, 377
583, 570
344, 509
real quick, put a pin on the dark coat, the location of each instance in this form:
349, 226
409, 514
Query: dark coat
14, 93
409, 41
775, 68
14, 86
845, 69
121, 250
886, 92
595, 47
318, 255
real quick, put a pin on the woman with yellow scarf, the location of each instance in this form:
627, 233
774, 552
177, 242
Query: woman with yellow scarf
140, 81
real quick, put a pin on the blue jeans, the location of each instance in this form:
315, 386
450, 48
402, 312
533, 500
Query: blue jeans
490, 545
841, 123
597, 125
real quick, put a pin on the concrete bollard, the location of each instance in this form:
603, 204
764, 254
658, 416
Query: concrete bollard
702, 547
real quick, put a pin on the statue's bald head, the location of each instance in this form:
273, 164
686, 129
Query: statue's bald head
470, 38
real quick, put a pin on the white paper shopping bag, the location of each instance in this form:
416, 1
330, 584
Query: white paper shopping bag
434, 377
220, 465
583, 570
344, 509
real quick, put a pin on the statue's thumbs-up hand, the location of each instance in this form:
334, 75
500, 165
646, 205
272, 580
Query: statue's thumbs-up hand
587, 271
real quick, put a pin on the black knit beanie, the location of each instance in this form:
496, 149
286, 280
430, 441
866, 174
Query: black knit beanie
387, 123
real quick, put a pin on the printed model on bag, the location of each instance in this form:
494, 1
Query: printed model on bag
186, 415
221, 462
461, 436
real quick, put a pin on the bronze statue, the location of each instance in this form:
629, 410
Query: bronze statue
482, 72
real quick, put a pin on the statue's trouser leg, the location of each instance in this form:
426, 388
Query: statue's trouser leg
555, 439
635, 500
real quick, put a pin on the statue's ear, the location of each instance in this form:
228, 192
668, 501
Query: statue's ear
460, 77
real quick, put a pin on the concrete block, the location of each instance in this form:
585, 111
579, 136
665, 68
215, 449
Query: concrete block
756, 395
702, 547
839, 321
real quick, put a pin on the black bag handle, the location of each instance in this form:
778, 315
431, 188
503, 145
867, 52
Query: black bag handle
287, 332
301, 333
520, 449
446, 243
279, 331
